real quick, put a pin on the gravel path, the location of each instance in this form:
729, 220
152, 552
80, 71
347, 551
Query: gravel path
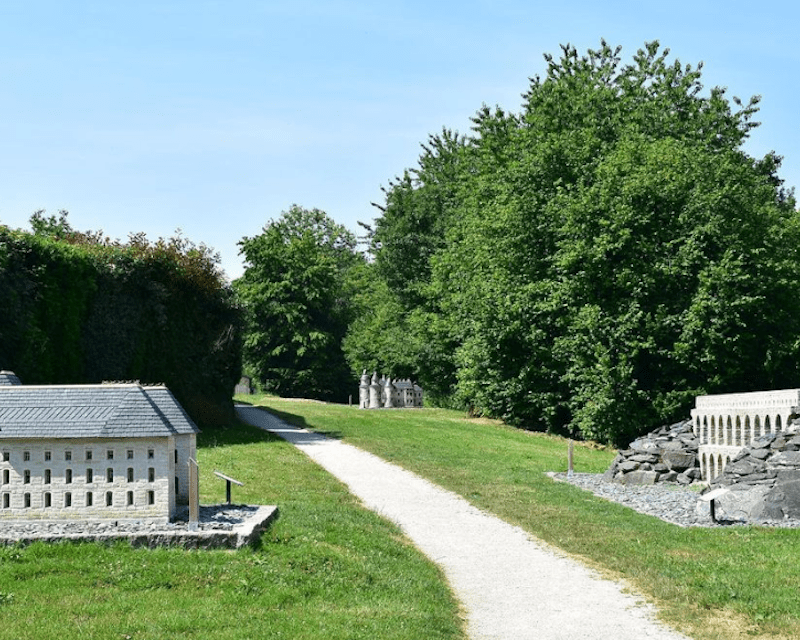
512, 586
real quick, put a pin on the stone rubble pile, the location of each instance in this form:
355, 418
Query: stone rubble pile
763, 480
668, 454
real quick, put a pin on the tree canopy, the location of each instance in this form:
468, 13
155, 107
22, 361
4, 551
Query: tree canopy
296, 295
593, 262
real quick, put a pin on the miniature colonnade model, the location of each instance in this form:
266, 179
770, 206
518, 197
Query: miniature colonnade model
726, 423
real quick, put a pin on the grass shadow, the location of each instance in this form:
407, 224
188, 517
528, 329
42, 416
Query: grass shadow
239, 433
300, 421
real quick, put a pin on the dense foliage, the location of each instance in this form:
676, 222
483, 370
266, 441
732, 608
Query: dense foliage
296, 292
79, 308
593, 262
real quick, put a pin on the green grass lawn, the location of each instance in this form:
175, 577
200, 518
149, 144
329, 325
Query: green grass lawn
326, 569
723, 583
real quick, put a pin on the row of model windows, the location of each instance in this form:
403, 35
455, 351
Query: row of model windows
48, 476
89, 453
89, 501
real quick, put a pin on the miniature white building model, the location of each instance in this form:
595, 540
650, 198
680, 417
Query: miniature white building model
726, 423
89, 452
377, 393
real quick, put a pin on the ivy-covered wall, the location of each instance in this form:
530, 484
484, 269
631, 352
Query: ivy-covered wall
75, 308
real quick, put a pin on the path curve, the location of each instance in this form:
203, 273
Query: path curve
512, 586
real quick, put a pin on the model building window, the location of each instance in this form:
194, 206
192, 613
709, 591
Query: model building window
151, 454
109, 498
89, 499
48, 500
151, 475
26, 455
68, 476
130, 474
6, 456
67, 499
109, 475
89, 476
130, 454
27, 501
48, 456
26, 476
110, 454
151, 497
88, 454
5, 476
6, 500
130, 498
47, 476
68, 455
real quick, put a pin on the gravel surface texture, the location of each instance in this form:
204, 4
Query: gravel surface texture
512, 586
211, 518
671, 502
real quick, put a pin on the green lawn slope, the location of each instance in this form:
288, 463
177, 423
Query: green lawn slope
721, 583
327, 568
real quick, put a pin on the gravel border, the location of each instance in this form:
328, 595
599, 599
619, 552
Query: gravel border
219, 526
671, 502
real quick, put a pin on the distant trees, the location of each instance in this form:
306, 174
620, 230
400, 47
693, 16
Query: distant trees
296, 294
593, 262
80, 308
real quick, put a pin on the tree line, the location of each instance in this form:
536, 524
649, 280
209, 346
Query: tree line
78, 307
587, 265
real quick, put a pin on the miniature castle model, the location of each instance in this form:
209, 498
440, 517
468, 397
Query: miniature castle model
90, 452
725, 424
379, 393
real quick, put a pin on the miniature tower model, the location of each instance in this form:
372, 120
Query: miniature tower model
363, 391
378, 393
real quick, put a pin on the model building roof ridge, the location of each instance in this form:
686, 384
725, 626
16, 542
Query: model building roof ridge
98, 411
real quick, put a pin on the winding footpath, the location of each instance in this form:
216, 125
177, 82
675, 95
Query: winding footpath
512, 586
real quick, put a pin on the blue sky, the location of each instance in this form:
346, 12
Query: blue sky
214, 116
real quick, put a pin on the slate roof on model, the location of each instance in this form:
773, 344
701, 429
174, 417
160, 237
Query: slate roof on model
8, 378
111, 410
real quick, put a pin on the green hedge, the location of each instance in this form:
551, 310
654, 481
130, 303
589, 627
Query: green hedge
75, 308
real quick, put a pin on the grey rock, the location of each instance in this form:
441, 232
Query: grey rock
644, 457
786, 458
745, 467
628, 466
678, 460
763, 441
644, 446
788, 475
779, 442
786, 497
608, 476
640, 478
739, 505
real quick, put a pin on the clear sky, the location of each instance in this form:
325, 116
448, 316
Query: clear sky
214, 116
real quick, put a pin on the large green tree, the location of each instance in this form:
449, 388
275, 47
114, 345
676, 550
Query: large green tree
607, 253
297, 293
